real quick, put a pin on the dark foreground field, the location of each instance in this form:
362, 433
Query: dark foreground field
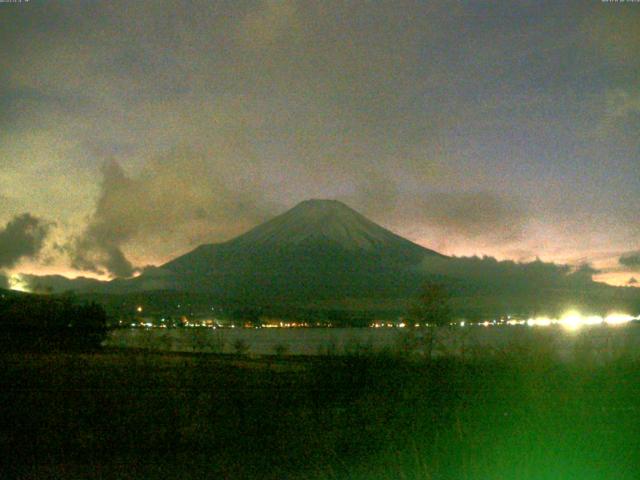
137, 415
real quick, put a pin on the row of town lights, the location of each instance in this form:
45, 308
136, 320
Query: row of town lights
571, 320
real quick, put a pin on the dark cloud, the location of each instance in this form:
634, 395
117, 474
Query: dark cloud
490, 272
313, 99
606, 28
457, 215
631, 259
585, 272
586, 269
177, 200
474, 215
22, 237
453, 218
60, 284
4, 281
99, 246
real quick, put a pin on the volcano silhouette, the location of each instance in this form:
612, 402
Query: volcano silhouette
319, 249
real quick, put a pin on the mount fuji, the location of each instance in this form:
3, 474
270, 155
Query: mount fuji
323, 254
319, 249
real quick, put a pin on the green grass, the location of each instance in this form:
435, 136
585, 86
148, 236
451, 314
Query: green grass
137, 415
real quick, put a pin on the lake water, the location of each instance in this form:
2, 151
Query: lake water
598, 342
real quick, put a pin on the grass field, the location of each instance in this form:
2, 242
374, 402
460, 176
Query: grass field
133, 414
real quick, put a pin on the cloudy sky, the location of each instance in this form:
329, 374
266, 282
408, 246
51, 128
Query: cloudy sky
131, 132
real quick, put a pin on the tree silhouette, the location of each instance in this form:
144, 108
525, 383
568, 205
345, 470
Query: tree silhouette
432, 306
49, 322
430, 310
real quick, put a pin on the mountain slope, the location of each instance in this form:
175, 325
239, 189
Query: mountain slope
320, 248
324, 221
316, 234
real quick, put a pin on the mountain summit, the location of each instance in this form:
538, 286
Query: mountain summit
322, 222
319, 247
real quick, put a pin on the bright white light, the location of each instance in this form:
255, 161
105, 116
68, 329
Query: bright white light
592, 320
462, 323
571, 320
618, 319
516, 322
539, 322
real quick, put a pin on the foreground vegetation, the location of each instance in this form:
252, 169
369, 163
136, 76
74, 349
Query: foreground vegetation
47, 323
150, 415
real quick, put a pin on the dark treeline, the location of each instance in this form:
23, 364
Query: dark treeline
38, 322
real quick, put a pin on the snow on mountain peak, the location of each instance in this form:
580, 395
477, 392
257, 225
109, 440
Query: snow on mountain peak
319, 221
